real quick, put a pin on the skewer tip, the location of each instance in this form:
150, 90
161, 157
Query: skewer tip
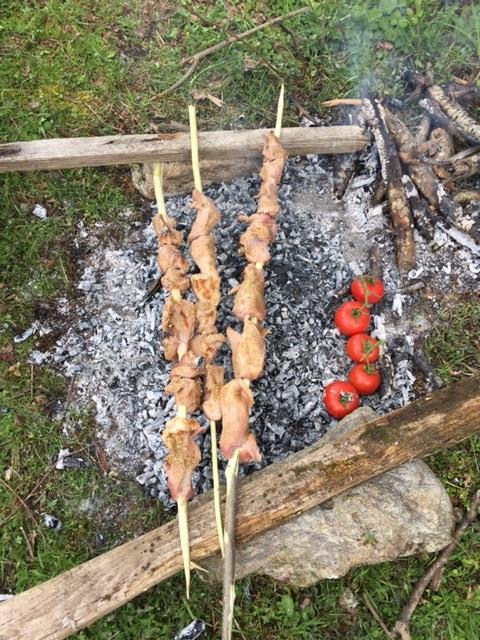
216, 486
184, 541
281, 101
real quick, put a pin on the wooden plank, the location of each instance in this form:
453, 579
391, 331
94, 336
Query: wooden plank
76, 598
66, 153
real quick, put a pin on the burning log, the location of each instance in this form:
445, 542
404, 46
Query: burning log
425, 179
237, 443
423, 217
441, 148
463, 91
457, 114
440, 119
392, 177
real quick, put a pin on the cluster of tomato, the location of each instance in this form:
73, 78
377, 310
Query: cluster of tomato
352, 319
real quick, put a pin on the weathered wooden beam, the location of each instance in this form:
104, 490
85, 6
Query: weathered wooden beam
66, 153
76, 598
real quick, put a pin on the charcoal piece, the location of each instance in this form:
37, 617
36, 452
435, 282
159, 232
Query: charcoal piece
423, 217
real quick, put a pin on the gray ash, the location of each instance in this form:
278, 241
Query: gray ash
111, 349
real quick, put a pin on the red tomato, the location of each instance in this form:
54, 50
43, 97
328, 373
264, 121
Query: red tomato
365, 378
362, 348
340, 398
367, 289
352, 317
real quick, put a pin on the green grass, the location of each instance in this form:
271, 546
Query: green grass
85, 68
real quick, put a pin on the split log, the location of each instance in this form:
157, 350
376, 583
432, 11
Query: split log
392, 176
440, 119
457, 114
66, 153
65, 604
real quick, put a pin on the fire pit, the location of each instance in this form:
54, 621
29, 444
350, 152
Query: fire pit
111, 346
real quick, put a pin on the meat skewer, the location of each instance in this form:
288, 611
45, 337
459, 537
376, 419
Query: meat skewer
237, 443
206, 287
178, 324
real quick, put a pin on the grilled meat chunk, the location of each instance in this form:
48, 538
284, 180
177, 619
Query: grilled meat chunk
214, 378
236, 400
183, 457
249, 299
248, 350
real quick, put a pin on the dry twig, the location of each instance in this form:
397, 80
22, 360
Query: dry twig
401, 628
195, 59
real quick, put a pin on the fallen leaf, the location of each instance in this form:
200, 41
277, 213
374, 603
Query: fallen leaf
384, 46
14, 370
249, 64
7, 354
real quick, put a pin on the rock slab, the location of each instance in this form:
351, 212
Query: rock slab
402, 512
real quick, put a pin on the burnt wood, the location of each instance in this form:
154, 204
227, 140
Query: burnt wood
74, 599
67, 153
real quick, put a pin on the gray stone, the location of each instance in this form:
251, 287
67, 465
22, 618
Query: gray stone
178, 177
400, 513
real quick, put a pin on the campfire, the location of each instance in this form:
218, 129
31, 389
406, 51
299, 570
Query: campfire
392, 209
113, 352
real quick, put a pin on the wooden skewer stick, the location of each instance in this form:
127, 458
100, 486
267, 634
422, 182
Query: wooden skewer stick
232, 475
216, 485
181, 409
192, 115
184, 541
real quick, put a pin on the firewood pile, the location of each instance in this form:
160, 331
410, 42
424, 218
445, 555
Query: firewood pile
421, 173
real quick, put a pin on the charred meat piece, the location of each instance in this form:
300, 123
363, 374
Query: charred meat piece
204, 255
206, 287
236, 400
206, 317
170, 257
183, 457
248, 350
206, 346
189, 366
214, 377
178, 320
166, 233
187, 392
207, 216
249, 299
175, 279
